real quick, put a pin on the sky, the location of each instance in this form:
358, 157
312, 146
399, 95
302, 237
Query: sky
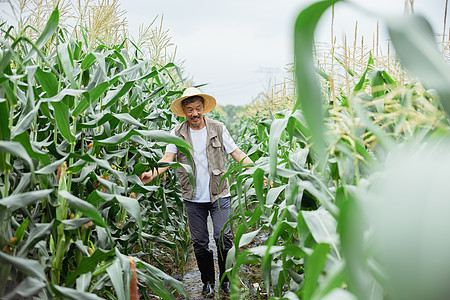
239, 47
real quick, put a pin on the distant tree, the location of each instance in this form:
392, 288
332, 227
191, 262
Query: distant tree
232, 111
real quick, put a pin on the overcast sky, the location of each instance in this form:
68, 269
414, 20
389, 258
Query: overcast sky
239, 46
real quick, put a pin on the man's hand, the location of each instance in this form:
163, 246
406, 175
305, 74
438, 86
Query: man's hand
146, 177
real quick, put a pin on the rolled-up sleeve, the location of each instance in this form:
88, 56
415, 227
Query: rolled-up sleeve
228, 142
171, 148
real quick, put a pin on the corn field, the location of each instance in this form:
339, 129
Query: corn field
358, 207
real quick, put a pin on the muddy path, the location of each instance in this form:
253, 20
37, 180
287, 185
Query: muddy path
191, 279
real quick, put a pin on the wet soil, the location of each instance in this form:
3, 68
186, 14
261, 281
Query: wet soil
191, 279
251, 278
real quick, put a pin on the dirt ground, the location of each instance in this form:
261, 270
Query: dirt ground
250, 275
191, 279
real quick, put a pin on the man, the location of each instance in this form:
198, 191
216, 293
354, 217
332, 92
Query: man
211, 142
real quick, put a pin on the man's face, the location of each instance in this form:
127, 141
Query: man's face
194, 113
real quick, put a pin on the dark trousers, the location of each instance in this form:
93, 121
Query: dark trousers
197, 216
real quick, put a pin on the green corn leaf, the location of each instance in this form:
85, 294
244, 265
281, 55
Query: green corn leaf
82, 105
5, 131
66, 62
92, 96
15, 149
352, 239
415, 45
240, 231
62, 120
47, 33
360, 85
21, 230
273, 194
313, 270
334, 281
38, 233
388, 79
258, 181
131, 205
248, 237
29, 267
276, 129
24, 122
349, 71
28, 288
157, 239
113, 95
87, 61
88, 209
158, 135
84, 281
68, 293
96, 92
31, 150
51, 168
61, 95
157, 273
384, 140
377, 84
309, 97
5, 60
267, 258
115, 275
75, 223
157, 286
102, 119
48, 81
14, 202
89, 264
323, 227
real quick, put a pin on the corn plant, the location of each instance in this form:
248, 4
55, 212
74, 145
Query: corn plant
77, 128
354, 207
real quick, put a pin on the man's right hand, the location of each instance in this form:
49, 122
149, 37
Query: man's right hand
146, 177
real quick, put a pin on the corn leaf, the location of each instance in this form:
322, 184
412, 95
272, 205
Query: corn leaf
14, 202
313, 270
68, 293
29, 287
85, 207
38, 233
115, 274
48, 82
29, 267
5, 131
309, 98
63, 121
413, 39
89, 264
47, 33
66, 62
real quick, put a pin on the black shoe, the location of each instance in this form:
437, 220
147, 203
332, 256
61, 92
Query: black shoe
208, 290
225, 288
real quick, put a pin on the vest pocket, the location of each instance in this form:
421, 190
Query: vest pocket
215, 142
215, 181
186, 187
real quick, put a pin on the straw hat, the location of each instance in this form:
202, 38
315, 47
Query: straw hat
177, 108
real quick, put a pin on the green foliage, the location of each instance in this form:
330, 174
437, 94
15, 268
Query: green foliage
352, 214
76, 131
232, 111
